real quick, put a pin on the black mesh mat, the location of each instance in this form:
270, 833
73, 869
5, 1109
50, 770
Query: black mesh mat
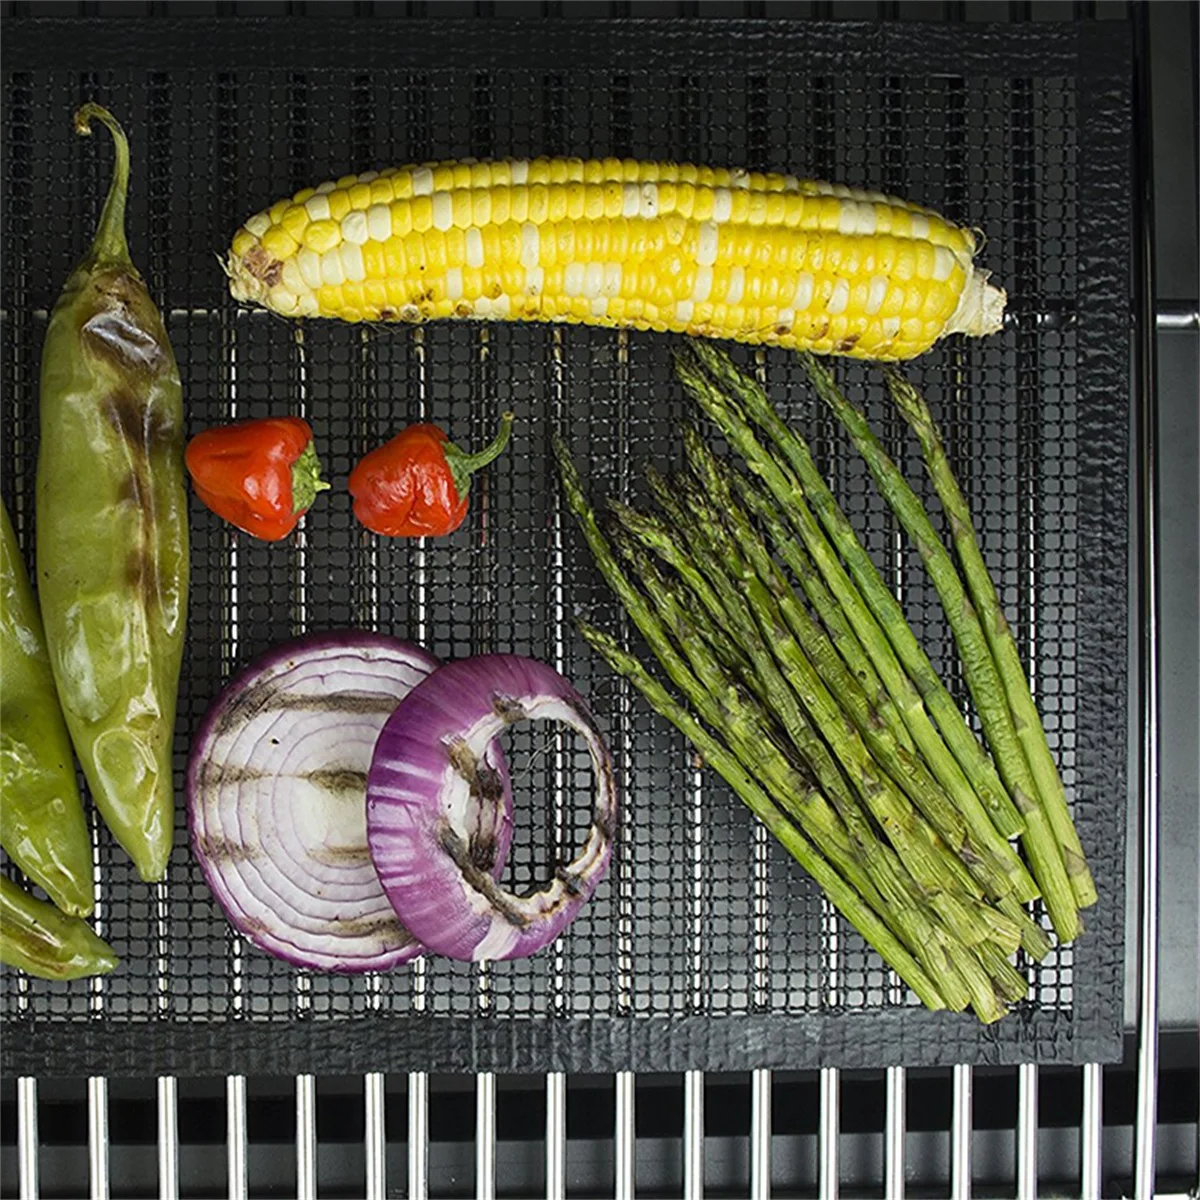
706, 946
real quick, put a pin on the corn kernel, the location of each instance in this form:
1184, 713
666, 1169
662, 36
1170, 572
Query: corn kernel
339, 203
422, 213
278, 243
322, 235
278, 209
243, 242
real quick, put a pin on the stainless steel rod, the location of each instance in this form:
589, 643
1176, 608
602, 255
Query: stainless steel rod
418, 1135
1091, 1134
625, 1137
829, 1134
556, 1136
375, 1135
693, 1135
235, 1136
97, 1095
894, 1130
168, 1138
960, 1135
306, 1138
27, 1137
485, 1136
760, 1135
1027, 1125
1171, 315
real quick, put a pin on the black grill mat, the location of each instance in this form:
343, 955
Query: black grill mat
706, 946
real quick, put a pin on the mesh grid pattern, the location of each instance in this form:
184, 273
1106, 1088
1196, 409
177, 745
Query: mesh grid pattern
700, 915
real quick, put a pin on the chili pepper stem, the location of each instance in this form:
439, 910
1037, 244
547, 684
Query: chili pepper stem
463, 465
109, 244
306, 479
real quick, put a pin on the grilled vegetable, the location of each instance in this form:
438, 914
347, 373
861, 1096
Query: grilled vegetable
42, 826
427, 812
112, 528
761, 258
277, 800
35, 937
261, 476
416, 485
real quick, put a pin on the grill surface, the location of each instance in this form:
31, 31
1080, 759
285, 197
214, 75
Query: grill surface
706, 947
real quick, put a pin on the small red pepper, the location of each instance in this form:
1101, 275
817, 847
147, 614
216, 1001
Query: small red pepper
416, 485
261, 476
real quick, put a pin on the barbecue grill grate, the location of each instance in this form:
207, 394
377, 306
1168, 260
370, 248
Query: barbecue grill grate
706, 947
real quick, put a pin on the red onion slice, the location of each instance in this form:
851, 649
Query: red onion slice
276, 800
424, 788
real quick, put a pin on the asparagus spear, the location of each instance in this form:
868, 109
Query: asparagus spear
903, 899
717, 755
979, 667
1000, 641
835, 688
878, 596
791, 496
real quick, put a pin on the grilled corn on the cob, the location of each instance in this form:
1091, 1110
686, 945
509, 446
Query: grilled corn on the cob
730, 254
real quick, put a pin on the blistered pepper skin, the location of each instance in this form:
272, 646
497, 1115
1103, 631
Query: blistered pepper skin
42, 826
112, 531
38, 939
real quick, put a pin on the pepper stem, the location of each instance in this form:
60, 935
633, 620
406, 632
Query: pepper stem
109, 244
306, 480
463, 465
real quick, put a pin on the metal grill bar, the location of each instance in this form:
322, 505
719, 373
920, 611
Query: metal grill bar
1027, 1121
97, 1096
27, 1137
830, 1128
375, 1134
760, 1135
556, 1136
306, 1138
485, 1136
235, 1136
961, 1120
1092, 1133
418, 1135
894, 1130
693, 1135
625, 1137
168, 1139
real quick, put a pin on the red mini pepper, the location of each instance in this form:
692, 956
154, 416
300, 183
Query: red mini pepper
261, 476
416, 485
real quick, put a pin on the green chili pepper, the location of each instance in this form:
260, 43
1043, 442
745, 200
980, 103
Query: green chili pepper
36, 937
42, 826
112, 528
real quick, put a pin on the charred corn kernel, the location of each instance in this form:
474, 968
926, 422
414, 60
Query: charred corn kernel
746, 255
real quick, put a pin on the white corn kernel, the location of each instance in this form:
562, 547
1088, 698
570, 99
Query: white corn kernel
612, 279
683, 311
318, 208
323, 189
702, 288
367, 176
877, 294
868, 219
354, 227
454, 284
599, 306
474, 247
308, 305
740, 178
443, 211
891, 326
293, 277
722, 204
332, 272
310, 266
519, 171
649, 201
531, 245
737, 285
422, 182
593, 279
848, 218
573, 279
535, 281
630, 200
785, 318
352, 262
706, 245
919, 227
803, 295
943, 263
839, 298
259, 224
379, 222
483, 307
501, 306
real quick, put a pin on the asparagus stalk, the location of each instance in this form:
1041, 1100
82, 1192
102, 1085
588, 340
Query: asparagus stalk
983, 679
791, 496
1029, 728
843, 690
888, 614
904, 900
825, 605
847, 901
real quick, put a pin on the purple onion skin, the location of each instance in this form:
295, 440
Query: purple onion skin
313, 911
418, 805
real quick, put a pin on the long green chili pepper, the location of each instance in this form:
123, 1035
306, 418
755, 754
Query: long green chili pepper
36, 937
112, 528
42, 826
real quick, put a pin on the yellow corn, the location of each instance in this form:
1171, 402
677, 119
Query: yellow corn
758, 258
